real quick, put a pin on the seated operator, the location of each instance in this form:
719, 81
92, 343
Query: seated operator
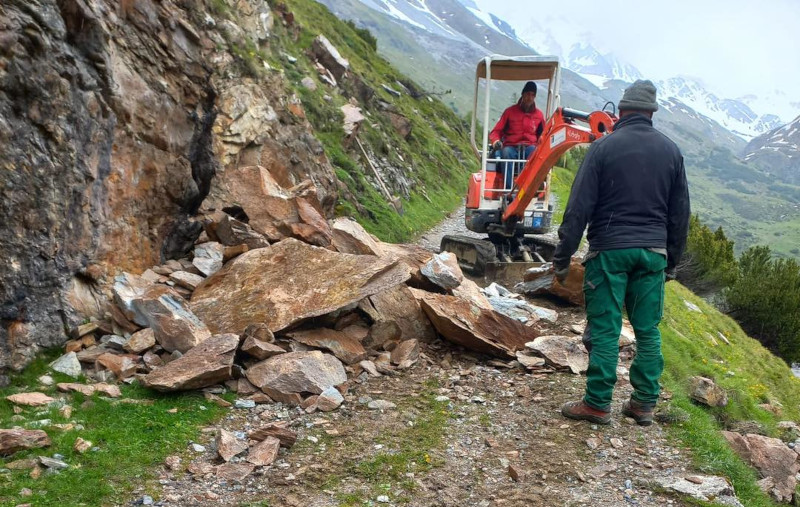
516, 133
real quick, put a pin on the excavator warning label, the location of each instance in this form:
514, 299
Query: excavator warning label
558, 138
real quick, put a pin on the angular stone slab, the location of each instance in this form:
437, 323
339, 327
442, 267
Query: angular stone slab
264, 452
209, 363
68, 364
170, 317
285, 436
232, 232
228, 445
30, 399
702, 487
705, 391
140, 341
14, 440
289, 282
542, 280
444, 271
337, 343
208, 257
186, 280
297, 372
399, 305
475, 328
350, 237
562, 351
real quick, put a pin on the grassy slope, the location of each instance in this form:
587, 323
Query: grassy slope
436, 156
132, 439
749, 373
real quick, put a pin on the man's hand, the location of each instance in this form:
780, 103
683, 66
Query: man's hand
497, 145
670, 273
561, 273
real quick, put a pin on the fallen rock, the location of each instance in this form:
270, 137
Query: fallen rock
542, 280
84, 389
287, 283
187, 280
109, 390
470, 291
208, 363
381, 405
297, 372
286, 436
627, 336
81, 445
15, 440
338, 343
208, 257
234, 472
399, 306
30, 399
444, 271
772, 458
68, 364
406, 352
55, 464
170, 317
329, 399
352, 119
259, 349
519, 310
140, 341
349, 237
529, 361
228, 445
709, 489
122, 366
562, 351
481, 330
705, 391
327, 54
264, 452
232, 232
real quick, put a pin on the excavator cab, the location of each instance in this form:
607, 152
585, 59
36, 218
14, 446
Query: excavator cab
517, 217
488, 192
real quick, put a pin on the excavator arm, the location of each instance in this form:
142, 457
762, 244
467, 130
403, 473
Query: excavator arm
559, 135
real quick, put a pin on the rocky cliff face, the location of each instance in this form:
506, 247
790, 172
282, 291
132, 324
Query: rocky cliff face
116, 120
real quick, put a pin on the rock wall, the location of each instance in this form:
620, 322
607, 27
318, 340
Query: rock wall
115, 119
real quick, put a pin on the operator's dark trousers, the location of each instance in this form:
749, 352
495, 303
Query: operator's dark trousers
633, 277
522, 152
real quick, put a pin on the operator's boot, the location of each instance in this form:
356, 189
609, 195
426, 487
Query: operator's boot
640, 412
580, 411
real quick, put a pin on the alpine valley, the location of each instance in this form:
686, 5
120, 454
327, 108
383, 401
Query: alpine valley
741, 153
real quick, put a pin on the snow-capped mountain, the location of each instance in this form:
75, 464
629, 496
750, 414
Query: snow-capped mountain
732, 114
598, 68
779, 151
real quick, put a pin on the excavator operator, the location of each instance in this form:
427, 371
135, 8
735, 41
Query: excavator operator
516, 133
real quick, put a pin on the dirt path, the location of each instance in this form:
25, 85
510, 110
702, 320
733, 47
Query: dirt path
464, 430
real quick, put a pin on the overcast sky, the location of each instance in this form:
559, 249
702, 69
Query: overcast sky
735, 47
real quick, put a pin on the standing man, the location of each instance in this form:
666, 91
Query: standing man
631, 190
517, 131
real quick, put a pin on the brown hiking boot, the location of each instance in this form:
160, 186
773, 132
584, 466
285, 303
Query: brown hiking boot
640, 412
580, 411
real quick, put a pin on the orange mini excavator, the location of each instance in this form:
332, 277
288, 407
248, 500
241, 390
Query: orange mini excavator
516, 219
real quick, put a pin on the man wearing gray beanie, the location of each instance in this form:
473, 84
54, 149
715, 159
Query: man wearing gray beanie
632, 192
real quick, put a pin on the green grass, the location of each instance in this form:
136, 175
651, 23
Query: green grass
413, 449
133, 439
749, 373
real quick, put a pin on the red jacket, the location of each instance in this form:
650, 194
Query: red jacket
518, 127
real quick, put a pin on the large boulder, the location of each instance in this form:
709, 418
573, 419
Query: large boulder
209, 363
297, 372
327, 54
289, 282
772, 458
475, 328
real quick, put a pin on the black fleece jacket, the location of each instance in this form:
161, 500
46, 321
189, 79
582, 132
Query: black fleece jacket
631, 189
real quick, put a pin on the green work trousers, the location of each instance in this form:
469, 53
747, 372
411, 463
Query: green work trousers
633, 277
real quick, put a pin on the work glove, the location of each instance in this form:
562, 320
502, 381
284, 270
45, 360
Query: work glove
561, 273
497, 145
670, 273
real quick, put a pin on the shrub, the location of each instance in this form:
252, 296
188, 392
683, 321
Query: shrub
765, 299
709, 263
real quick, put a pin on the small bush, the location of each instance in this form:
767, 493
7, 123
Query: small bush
709, 263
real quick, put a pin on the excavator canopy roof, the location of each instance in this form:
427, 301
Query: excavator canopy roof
519, 68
